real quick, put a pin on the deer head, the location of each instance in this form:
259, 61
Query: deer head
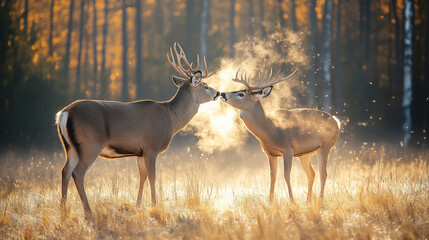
191, 77
244, 99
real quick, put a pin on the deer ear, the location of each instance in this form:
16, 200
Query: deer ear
265, 92
178, 81
196, 78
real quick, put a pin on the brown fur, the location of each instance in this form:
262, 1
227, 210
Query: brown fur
116, 129
288, 133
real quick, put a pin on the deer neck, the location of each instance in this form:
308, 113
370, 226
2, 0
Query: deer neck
182, 107
257, 121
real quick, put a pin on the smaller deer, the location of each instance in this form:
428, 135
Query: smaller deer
288, 133
144, 129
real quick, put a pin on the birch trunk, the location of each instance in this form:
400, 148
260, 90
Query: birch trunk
313, 52
338, 84
408, 67
326, 55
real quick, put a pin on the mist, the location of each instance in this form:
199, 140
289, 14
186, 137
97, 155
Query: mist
217, 125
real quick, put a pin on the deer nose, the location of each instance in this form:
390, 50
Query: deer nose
217, 95
223, 96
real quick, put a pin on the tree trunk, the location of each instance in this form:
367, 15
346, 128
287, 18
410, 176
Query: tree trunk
368, 31
293, 16
326, 55
361, 20
418, 91
68, 44
203, 31
139, 58
51, 28
125, 93
79, 54
25, 16
391, 43
190, 6
95, 66
426, 81
262, 11
313, 52
86, 66
408, 69
338, 80
398, 51
251, 23
281, 13
104, 75
232, 29
159, 17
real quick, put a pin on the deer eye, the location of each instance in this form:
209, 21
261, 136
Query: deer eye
206, 87
241, 94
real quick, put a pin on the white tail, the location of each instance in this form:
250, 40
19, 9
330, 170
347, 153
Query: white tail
338, 121
90, 128
287, 133
61, 121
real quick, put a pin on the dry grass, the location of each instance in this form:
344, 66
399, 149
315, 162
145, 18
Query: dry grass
368, 195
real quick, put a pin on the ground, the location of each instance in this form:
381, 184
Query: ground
370, 194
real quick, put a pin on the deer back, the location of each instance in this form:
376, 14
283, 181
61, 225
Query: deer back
130, 127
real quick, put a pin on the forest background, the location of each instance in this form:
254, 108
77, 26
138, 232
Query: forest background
367, 60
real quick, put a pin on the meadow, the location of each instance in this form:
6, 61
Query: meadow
371, 193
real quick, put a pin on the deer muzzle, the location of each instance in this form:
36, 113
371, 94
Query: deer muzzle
217, 95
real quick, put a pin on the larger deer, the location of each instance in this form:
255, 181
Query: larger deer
91, 128
288, 133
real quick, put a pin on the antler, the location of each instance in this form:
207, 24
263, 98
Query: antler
264, 82
245, 81
182, 71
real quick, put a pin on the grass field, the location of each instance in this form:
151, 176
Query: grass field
370, 194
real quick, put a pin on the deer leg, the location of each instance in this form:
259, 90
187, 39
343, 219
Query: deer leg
150, 160
287, 158
273, 174
79, 176
143, 177
71, 163
323, 155
308, 169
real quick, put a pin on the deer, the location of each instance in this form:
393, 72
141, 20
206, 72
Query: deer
92, 128
285, 133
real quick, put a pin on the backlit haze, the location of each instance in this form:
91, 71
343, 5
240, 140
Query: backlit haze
217, 125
